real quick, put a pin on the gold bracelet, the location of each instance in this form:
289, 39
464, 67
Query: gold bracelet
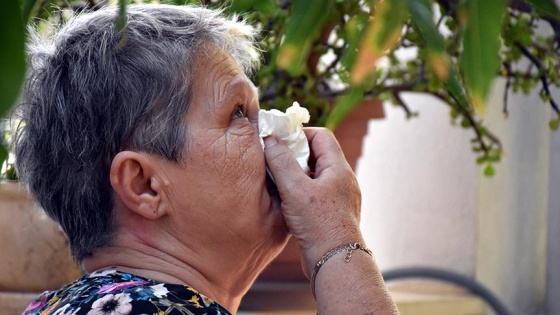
348, 248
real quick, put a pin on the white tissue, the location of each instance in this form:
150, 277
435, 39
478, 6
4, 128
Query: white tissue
288, 128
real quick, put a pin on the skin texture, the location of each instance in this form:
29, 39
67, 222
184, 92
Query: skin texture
214, 221
209, 221
322, 212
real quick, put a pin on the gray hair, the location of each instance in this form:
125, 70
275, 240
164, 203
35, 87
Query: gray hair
91, 93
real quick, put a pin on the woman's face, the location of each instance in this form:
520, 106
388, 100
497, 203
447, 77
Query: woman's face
220, 188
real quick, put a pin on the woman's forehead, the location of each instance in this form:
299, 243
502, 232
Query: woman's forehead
220, 74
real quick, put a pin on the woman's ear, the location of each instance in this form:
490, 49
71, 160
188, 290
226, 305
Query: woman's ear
136, 184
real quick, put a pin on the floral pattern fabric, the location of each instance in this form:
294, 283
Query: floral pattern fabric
111, 292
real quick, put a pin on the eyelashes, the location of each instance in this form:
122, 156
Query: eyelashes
239, 112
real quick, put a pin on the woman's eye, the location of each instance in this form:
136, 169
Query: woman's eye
238, 113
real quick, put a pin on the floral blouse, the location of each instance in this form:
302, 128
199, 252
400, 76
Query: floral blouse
111, 292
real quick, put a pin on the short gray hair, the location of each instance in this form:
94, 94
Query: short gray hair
91, 93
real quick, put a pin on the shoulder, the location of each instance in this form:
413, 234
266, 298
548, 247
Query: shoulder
122, 293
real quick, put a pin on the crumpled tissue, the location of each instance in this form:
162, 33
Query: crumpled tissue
288, 128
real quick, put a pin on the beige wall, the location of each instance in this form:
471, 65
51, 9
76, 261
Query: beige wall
418, 180
553, 262
425, 201
513, 206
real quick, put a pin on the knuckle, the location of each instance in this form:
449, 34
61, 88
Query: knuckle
279, 156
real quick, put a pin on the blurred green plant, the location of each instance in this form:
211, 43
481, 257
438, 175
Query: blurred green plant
458, 48
12, 62
325, 54
331, 54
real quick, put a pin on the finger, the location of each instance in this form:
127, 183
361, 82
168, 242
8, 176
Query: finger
325, 150
283, 165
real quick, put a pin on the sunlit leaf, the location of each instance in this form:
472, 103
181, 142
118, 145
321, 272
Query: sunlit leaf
382, 34
355, 29
344, 106
480, 61
302, 29
423, 18
12, 55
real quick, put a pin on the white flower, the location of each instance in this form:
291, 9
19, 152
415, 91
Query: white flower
63, 310
159, 290
102, 273
110, 304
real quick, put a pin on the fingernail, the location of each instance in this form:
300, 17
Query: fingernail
270, 141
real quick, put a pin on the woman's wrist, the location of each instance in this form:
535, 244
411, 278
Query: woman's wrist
313, 253
345, 250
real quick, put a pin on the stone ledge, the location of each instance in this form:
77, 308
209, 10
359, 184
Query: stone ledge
13, 303
412, 298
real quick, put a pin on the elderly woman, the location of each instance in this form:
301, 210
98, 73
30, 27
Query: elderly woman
143, 145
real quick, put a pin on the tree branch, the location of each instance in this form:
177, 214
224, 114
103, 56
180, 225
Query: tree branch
524, 6
506, 90
542, 77
402, 104
479, 133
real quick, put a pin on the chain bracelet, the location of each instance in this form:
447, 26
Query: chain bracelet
349, 248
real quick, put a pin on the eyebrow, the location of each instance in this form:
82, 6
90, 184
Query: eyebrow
246, 88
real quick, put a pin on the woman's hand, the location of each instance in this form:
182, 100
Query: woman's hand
322, 211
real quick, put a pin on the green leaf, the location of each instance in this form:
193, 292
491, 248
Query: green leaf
267, 7
355, 29
480, 159
480, 61
344, 106
489, 171
241, 5
12, 54
301, 30
121, 21
546, 8
455, 88
423, 18
382, 34
3, 155
494, 157
554, 124
27, 8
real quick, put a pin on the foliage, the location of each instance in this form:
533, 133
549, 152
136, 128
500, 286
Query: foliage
330, 54
458, 48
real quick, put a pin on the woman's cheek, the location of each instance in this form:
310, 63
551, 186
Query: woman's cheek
243, 127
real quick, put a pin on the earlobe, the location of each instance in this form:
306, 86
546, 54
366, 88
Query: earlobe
135, 183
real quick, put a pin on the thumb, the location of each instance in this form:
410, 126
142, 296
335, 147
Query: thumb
282, 164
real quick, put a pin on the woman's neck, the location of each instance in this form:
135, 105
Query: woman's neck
224, 279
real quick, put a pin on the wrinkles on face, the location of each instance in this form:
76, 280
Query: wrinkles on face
224, 172
220, 86
244, 157
229, 146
